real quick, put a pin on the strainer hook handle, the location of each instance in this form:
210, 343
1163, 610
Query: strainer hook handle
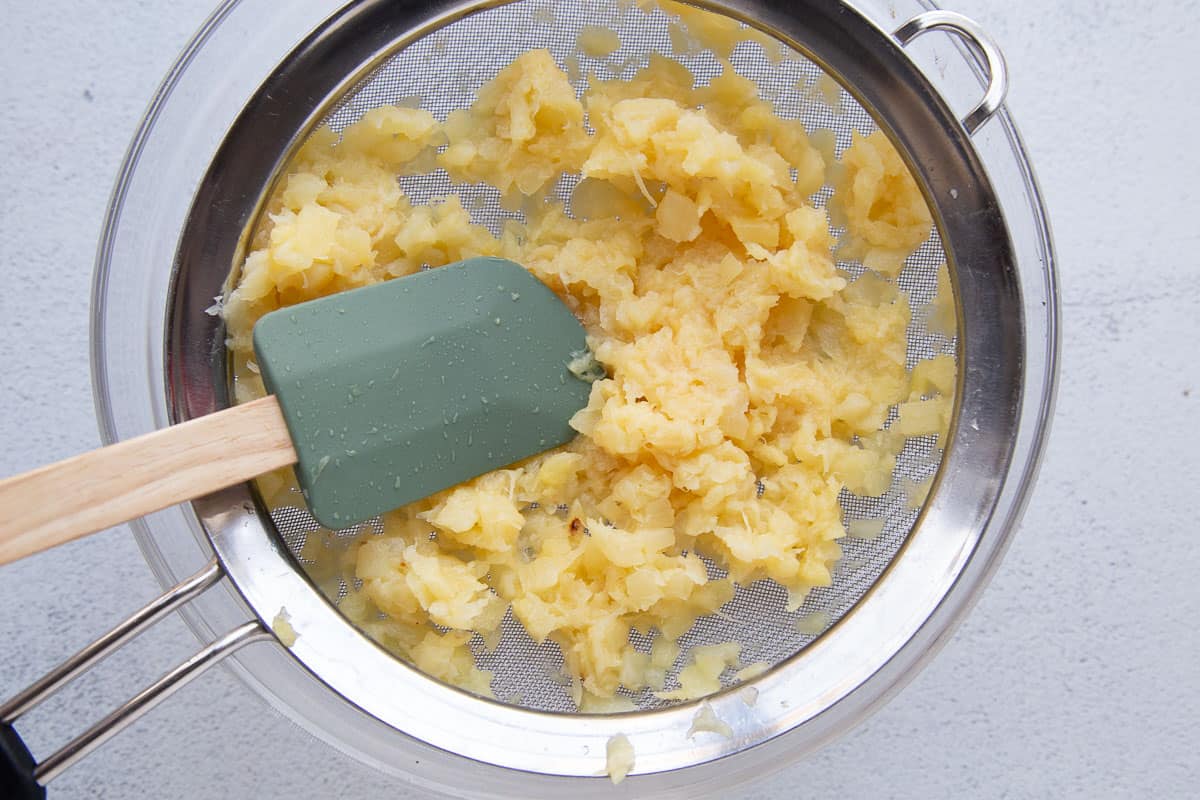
981, 43
19, 771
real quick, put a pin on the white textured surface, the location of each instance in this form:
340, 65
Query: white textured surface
1076, 676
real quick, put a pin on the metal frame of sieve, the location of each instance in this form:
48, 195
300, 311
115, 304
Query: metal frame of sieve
895, 623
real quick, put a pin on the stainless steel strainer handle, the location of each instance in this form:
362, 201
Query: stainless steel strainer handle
994, 65
19, 772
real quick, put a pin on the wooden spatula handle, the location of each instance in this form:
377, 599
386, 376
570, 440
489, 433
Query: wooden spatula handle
93, 491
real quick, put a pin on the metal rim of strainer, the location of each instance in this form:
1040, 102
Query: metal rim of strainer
873, 67
944, 555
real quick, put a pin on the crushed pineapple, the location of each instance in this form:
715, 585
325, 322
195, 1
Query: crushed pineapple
942, 311
814, 623
881, 205
282, 627
744, 381
597, 41
619, 758
707, 721
865, 528
751, 671
703, 675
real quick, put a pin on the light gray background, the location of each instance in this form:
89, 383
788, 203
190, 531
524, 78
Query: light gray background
1078, 675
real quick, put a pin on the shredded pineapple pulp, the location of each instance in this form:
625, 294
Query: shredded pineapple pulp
747, 379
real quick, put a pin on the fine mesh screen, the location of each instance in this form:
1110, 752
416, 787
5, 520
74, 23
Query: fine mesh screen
441, 73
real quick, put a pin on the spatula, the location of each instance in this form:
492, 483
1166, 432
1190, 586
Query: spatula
380, 396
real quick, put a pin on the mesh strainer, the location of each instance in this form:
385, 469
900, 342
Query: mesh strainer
893, 597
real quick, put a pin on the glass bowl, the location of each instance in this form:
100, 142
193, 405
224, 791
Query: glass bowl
227, 60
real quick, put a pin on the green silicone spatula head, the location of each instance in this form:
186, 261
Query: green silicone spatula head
396, 391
